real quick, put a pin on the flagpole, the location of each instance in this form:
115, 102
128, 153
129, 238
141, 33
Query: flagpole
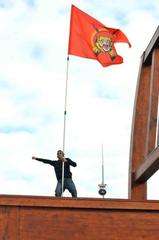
64, 126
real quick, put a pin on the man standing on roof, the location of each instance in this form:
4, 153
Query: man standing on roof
57, 164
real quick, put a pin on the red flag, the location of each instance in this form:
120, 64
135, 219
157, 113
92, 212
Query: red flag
91, 39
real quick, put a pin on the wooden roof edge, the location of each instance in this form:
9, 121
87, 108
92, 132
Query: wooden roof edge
77, 203
154, 43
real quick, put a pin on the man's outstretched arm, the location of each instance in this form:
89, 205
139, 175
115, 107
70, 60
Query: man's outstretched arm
43, 160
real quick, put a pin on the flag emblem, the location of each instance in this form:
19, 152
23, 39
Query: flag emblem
103, 42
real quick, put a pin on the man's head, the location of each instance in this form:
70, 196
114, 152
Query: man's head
60, 154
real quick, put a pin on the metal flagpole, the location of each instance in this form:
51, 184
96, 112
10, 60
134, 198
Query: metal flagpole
64, 127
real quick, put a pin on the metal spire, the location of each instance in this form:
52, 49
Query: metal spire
102, 186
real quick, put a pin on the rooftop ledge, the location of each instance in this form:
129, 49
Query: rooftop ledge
78, 203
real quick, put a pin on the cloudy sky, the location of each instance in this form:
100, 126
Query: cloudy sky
33, 61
